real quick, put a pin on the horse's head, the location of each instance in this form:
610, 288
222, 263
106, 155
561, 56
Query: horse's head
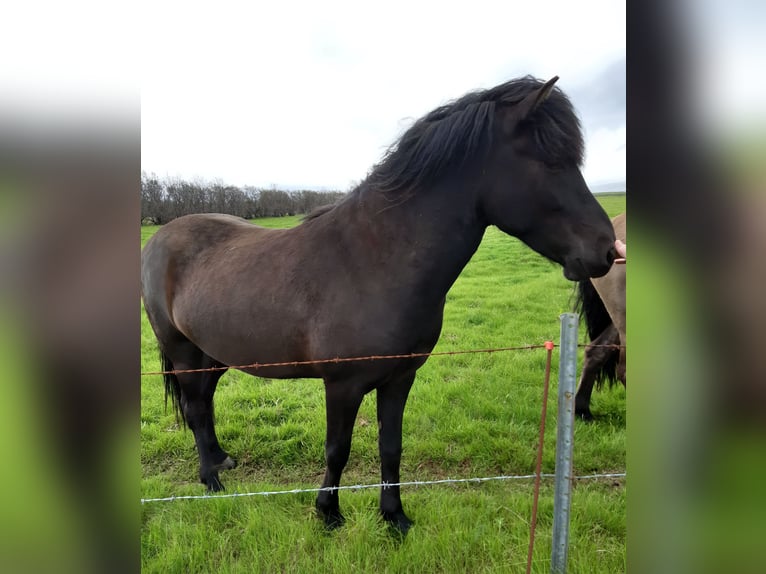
533, 188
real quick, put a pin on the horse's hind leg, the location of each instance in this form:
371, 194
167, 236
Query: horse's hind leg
596, 356
342, 400
391, 400
193, 392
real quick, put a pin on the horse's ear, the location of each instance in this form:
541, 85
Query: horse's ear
530, 103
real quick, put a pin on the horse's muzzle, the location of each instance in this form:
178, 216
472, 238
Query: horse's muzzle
579, 269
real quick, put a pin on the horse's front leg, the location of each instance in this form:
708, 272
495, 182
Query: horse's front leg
342, 400
391, 400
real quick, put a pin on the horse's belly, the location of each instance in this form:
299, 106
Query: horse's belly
290, 329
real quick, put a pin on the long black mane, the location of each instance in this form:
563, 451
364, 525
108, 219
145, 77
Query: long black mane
453, 134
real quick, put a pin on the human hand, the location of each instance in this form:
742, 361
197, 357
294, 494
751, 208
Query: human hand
621, 248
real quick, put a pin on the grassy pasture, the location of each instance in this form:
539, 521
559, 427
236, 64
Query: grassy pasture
467, 416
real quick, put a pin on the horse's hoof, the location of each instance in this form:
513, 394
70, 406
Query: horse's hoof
398, 522
584, 414
213, 483
332, 520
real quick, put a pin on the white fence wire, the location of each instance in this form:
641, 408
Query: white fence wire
378, 485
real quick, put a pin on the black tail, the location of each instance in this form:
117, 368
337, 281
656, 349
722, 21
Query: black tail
172, 388
590, 305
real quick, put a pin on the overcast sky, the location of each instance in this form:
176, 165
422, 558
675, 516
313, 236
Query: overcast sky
310, 94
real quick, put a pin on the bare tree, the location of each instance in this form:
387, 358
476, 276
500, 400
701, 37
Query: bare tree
163, 200
151, 199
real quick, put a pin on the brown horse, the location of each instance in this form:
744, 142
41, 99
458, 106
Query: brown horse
602, 300
369, 275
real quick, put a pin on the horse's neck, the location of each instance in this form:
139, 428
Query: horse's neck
429, 236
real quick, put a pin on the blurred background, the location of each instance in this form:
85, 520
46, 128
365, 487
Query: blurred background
697, 399
70, 171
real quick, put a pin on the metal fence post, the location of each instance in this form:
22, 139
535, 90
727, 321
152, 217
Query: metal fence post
564, 441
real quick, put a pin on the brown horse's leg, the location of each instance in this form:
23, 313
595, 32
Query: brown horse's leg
595, 357
391, 400
195, 396
621, 363
342, 401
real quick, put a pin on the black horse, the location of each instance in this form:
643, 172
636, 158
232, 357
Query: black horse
369, 275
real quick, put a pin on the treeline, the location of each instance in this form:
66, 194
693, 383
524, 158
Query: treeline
165, 199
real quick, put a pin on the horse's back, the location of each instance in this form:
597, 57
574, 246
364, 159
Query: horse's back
180, 247
235, 290
193, 233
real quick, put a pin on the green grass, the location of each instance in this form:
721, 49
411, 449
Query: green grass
468, 416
